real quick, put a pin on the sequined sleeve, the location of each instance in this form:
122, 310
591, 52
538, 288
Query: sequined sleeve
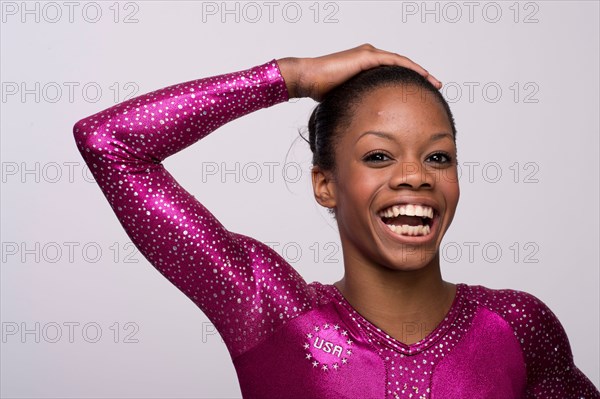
244, 287
551, 371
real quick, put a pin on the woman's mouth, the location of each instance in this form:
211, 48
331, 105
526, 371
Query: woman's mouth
409, 219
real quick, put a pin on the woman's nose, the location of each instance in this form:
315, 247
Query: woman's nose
411, 174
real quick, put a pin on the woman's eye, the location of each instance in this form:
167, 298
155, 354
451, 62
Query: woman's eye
376, 157
440, 157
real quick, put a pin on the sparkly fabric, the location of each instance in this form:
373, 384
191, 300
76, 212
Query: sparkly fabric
287, 338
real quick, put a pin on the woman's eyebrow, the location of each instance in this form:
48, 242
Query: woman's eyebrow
388, 136
439, 136
378, 134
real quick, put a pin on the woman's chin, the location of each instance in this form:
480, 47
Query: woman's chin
412, 259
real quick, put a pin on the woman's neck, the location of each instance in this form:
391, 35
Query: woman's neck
407, 305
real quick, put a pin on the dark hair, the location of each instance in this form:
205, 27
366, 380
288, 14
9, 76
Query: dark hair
334, 112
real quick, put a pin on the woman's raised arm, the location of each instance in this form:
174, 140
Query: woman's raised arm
244, 287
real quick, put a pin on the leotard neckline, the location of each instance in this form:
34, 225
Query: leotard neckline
386, 339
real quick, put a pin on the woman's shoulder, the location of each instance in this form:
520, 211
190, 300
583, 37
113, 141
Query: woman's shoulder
534, 324
520, 308
545, 345
500, 297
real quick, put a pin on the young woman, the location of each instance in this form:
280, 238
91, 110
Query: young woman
384, 156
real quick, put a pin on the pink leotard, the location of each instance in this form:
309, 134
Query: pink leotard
289, 339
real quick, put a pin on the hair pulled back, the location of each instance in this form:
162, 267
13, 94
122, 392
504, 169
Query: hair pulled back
334, 113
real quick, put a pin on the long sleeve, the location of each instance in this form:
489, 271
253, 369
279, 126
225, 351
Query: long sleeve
551, 371
244, 287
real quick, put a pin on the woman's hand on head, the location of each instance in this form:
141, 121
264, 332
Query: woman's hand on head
314, 77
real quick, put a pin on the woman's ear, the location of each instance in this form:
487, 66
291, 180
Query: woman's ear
323, 187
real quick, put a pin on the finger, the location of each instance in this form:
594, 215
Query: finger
435, 82
382, 57
400, 60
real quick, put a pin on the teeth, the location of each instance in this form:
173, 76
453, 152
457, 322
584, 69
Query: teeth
408, 210
407, 230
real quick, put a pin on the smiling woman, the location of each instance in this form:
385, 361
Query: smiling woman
393, 185
385, 164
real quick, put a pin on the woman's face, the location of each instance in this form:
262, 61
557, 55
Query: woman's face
398, 150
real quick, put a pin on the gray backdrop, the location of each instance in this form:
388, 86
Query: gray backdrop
85, 315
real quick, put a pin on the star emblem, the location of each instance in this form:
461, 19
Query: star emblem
329, 346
